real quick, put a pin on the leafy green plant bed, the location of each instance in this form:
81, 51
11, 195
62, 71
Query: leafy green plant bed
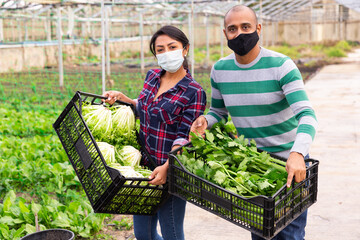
38, 186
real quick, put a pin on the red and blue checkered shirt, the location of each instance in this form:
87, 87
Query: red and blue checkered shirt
166, 121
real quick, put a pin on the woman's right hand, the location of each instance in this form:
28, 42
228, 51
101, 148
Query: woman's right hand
112, 96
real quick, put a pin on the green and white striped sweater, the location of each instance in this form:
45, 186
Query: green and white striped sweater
266, 101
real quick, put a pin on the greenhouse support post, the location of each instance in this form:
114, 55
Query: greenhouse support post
207, 41
33, 29
341, 27
192, 41
141, 32
273, 33
88, 23
26, 37
11, 23
48, 26
276, 32
189, 34
46, 29
83, 30
71, 16
1, 30
261, 22
107, 9
221, 38
18, 29
60, 53
311, 22
123, 30
103, 45
92, 30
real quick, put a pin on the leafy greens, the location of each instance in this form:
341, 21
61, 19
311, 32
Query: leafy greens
233, 163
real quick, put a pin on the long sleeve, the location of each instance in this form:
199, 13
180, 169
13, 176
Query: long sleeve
193, 110
293, 87
217, 110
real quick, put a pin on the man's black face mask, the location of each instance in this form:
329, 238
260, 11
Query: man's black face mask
243, 43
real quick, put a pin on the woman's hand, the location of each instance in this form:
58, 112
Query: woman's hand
159, 175
112, 96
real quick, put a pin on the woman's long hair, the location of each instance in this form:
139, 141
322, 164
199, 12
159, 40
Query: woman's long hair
174, 33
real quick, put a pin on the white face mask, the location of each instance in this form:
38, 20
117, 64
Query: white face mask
170, 61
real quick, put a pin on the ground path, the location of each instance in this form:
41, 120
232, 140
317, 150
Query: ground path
335, 95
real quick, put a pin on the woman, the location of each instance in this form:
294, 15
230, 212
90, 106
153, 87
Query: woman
167, 105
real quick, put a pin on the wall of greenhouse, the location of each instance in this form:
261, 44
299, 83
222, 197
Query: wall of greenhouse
32, 40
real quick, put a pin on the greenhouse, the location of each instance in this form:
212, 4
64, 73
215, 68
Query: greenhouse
61, 55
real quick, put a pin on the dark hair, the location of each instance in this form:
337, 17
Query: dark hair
174, 33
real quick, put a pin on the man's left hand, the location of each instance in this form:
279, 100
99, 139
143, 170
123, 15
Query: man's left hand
295, 166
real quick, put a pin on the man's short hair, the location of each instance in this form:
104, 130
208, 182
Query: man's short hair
239, 8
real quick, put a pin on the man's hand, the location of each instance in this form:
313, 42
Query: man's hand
295, 166
199, 126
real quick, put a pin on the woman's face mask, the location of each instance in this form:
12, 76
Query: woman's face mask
171, 61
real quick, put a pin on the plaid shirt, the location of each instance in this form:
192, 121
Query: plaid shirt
166, 121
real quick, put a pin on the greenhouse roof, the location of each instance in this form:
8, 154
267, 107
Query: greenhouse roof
352, 4
273, 10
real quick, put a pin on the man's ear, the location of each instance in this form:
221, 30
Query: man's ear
258, 29
225, 33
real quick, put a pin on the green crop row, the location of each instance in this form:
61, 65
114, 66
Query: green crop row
38, 186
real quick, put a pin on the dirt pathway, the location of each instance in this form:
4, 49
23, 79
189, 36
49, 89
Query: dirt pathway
335, 94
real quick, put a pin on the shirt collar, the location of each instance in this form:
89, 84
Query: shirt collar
183, 83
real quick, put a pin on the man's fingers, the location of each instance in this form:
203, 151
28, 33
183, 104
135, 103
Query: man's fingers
300, 175
199, 123
289, 178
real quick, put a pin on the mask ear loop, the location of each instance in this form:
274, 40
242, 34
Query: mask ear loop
184, 48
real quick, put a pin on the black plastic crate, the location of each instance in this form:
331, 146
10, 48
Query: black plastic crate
106, 188
262, 215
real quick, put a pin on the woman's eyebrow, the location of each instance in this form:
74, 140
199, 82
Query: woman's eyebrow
159, 45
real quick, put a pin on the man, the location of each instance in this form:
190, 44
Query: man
264, 94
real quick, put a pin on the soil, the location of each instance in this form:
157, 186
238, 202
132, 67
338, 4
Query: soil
119, 234
307, 71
